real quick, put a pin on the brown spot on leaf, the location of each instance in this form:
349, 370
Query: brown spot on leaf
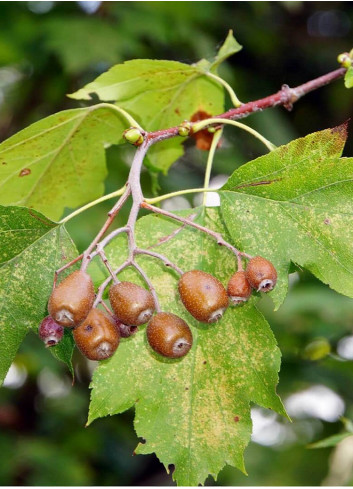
204, 362
261, 182
342, 129
24, 172
236, 419
177, 111
203, 138
327, 221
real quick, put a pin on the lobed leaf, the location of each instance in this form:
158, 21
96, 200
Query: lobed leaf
192, 412
295, 205
160, 94
31, 249
59, 161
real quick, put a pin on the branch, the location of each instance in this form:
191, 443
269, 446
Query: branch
286, 97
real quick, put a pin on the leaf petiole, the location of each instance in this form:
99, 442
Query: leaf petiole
117, 193
160, 198
116, 108
235, 101
215, 140
219, 120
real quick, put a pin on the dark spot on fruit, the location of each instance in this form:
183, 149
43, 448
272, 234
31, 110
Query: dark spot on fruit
24, 172
236, 419
4, 163
186, 388
204, 362
88, 327
327, 221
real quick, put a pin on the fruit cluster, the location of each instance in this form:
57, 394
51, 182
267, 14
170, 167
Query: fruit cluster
97, 334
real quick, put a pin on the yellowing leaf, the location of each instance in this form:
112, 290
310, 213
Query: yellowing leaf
31, 249
295, 204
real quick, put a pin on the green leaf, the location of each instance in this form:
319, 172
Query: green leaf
295, 204
331, 441
228, 48
158, 94
31, 249
59, 161
348, 77
192, 412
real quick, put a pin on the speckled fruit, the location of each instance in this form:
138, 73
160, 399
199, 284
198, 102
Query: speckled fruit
169, 335
72, 299
239, 290
261, 274
50, 332
203, 296
97, 337
133, 305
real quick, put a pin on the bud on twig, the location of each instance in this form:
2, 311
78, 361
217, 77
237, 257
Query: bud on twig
134, 136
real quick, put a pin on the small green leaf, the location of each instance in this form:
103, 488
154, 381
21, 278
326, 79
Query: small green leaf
31, 248
228, 48
158, 94
59, 161
348, 77
331, 441
193, 412
295, 204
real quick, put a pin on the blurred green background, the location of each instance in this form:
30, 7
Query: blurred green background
48, 49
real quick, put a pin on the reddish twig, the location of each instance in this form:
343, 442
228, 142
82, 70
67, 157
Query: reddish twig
286, 97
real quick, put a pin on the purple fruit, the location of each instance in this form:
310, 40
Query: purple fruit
50, 332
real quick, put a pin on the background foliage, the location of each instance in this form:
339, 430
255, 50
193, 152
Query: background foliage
41, 416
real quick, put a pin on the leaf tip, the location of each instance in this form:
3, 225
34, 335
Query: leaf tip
341, 130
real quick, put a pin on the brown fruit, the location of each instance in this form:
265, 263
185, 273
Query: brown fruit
97, 337
72, 299
133, 305
261, 274
239, 290
169, 335
203, 296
